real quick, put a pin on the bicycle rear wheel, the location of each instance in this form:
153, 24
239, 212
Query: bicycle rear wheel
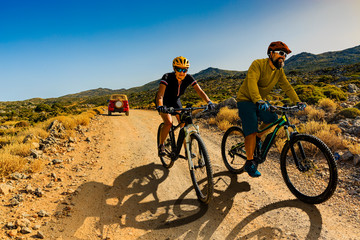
201, 175
165, 160
314, 178
233, 149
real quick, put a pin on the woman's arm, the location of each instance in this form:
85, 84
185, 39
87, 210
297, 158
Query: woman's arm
160, 95
201, 93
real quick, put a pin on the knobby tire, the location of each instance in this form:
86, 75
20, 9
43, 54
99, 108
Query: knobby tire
317, 182
233, 150
201, 175
165, 160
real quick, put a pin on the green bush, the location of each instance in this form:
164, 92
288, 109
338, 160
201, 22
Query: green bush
312, 94
334, 92
42, 107
349, 112
325, 79
309, 93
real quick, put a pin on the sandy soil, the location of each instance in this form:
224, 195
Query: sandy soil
114, 187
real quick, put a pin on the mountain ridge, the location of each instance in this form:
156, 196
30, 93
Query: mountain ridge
302, 62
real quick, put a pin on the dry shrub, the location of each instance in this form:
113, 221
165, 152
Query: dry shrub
328, 105
36, 165
22, 124
312, 113
224, 125
84, 118
7, 139
19, 149
353, 147
212, 121
330, 134
67, 121
226, 118
231, 115
9, 131
312, 127
10, 163
37, 131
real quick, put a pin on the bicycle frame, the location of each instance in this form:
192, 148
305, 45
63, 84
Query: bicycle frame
283, 121
184, 134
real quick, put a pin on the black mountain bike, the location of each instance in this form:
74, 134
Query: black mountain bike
195, 152
307, 164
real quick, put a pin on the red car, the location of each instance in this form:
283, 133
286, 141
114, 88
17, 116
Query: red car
118, 103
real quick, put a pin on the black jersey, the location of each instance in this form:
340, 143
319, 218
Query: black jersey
173, 90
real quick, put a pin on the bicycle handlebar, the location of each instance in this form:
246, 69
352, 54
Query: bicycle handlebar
280, 109
174, 111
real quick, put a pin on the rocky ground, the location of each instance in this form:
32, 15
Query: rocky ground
107, 183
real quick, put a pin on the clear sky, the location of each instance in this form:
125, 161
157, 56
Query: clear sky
51, 48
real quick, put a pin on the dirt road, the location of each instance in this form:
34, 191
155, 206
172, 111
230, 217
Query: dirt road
121, 191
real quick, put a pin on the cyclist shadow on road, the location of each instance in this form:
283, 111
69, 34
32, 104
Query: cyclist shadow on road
133, 202
204, 220
269, 232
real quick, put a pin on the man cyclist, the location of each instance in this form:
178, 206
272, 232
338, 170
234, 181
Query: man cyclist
171, 87
261, 78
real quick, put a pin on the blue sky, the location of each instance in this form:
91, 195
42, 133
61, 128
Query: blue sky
58, 47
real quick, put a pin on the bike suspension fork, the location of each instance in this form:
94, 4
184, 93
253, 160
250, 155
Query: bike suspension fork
187, 134
293, 152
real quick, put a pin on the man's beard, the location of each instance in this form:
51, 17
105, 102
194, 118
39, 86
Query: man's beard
278, 64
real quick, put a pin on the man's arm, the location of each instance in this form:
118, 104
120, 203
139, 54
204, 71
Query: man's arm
253, 77
288, 89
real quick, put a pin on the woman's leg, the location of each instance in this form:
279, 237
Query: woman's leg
167, 119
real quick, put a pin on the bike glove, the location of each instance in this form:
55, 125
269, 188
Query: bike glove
301, 105
162, 109
210, 106
262, 105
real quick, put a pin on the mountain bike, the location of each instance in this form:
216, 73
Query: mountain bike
307, 164
195, 151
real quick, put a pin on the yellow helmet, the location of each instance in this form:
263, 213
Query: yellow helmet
181, 62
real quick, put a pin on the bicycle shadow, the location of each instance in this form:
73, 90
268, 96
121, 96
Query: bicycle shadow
133, 202
275, 232
208, 218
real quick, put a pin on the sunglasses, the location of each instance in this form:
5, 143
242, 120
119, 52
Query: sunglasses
184, 70
281, 53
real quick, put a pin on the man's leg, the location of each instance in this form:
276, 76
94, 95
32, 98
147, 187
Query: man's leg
251, 165
248, 114
250, 141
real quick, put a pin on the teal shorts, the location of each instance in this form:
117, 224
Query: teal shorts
250, 116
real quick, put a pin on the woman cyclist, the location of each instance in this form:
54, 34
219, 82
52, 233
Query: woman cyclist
171, 87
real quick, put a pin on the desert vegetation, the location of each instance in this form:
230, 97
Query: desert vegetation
332, 94
19, 135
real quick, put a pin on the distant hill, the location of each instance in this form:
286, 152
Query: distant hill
310, 62
300, 64
91, 93
303, 62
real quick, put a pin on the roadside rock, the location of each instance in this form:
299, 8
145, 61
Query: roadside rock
5, 188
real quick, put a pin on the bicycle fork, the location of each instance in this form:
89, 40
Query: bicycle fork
297, 160
187, 143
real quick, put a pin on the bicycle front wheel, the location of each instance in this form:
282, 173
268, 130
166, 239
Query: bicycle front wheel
233, 149
201, 175
309, 169
165, 160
